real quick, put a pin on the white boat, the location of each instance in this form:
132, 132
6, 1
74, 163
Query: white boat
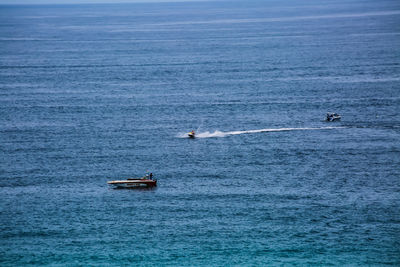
332, 116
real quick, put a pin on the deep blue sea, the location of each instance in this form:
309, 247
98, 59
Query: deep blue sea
92, 93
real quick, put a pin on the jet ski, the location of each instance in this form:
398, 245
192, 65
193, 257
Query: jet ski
333, 117
191, 134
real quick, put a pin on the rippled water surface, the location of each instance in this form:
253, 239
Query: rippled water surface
93, 93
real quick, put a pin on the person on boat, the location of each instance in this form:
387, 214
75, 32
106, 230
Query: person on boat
191, 134
151, 176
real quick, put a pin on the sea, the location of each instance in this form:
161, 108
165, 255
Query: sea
91, 93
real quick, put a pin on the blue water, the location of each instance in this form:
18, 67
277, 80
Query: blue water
91, 93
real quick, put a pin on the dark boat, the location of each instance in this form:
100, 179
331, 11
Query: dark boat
142, 182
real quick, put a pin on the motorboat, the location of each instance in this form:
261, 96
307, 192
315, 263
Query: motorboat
141, 182
132, 183
332, 116
191, 134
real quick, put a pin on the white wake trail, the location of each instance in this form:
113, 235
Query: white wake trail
223, 134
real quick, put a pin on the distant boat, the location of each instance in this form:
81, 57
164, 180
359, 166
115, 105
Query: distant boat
191, 134
142, 182
332, 117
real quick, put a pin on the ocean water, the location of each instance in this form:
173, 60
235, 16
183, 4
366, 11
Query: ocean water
92, 93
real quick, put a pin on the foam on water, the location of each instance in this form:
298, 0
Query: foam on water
218, 133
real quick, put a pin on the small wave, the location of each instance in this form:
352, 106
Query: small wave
224, 134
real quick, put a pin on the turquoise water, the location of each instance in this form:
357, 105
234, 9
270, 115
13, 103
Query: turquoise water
93, 93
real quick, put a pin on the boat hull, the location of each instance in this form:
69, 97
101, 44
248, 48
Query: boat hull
132, 184
333, 119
